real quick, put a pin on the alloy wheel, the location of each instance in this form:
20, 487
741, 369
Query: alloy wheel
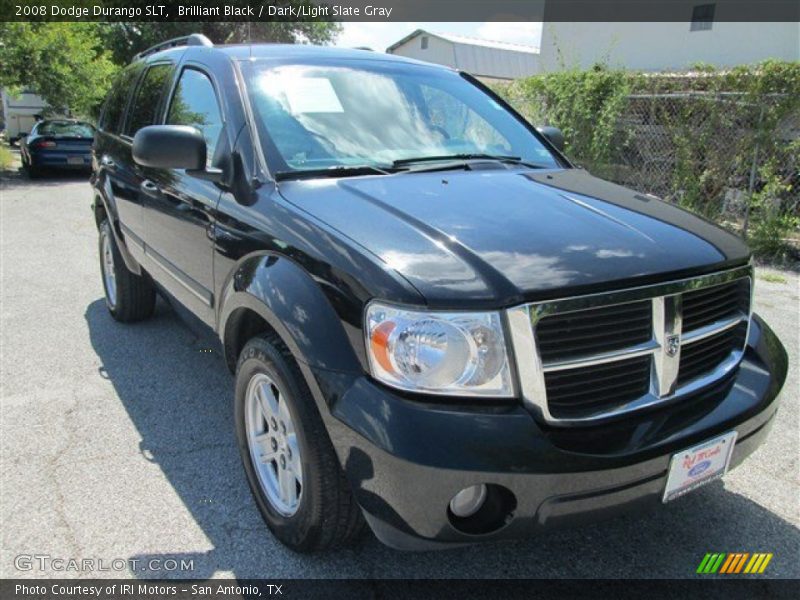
273, 444
109, 275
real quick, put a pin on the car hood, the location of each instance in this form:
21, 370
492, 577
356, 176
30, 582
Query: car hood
506, 236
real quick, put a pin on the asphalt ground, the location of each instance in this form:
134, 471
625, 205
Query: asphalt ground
116, 442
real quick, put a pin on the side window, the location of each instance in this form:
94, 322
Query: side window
148, 98
118, 98
195, 103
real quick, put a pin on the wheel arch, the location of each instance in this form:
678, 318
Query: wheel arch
272, 293
99, 210
244, 323
103, 208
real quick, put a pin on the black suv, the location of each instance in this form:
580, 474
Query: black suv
438, 326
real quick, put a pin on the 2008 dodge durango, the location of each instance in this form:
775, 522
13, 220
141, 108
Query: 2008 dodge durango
439, 327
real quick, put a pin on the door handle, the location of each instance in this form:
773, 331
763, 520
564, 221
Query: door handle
221, 234
150, 187
107, 161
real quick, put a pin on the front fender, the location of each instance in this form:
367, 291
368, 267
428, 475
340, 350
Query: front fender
293, 304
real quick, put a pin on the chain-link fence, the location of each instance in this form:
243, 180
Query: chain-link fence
703, 149
726, 145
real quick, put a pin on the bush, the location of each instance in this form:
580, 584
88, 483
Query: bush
696, 138
772, 222
6, 158
586, 105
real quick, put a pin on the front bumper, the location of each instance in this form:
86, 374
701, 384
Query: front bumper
406, 459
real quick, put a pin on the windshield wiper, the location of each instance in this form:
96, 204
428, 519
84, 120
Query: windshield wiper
514, 160
452, 161
335, 171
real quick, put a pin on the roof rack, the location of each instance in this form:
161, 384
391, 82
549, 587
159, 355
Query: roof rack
195, 39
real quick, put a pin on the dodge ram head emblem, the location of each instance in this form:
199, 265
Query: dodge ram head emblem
673, 345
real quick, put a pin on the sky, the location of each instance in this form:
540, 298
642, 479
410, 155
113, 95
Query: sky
379, 36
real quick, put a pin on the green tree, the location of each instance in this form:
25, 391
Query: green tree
126, 39
65, 63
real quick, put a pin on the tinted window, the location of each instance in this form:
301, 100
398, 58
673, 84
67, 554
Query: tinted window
65, 129
148, 98
194, 103
118, 98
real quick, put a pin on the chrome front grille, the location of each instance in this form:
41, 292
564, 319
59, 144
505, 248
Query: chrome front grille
595, 357
703, 356
602, 329
574, 392
717, 303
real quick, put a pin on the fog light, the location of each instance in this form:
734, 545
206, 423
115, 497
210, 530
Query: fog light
468, 501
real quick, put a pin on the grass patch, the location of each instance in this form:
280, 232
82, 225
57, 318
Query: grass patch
772, 278
6, 158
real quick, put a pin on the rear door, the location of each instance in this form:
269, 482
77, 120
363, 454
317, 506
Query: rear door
179, 209
145, 109
113, 160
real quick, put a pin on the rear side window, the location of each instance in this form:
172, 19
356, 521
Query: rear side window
195, 103
117, 99
144, 110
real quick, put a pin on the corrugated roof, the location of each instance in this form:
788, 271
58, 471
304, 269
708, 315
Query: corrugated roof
470, 41
467, 41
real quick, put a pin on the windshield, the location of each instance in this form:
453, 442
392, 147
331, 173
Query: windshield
318, 116
65, 129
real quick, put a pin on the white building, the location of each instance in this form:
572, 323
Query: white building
487, 60
666, 46
20, 112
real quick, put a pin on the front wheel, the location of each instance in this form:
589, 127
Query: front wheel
129, 297
290, 463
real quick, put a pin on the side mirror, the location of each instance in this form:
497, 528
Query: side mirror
173, 147
554, 136
170, 147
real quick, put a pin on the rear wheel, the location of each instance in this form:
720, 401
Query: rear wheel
290, 463
129, 297
34, 172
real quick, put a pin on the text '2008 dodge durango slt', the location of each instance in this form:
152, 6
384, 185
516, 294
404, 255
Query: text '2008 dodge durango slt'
439, 327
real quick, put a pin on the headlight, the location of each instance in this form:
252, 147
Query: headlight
450, 353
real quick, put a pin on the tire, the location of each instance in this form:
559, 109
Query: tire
326, 514
129, 297
34, 172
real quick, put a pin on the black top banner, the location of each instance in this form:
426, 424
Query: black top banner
401, 10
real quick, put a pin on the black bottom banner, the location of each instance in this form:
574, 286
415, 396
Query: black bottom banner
232, 589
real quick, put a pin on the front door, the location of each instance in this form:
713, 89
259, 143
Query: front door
179, 209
